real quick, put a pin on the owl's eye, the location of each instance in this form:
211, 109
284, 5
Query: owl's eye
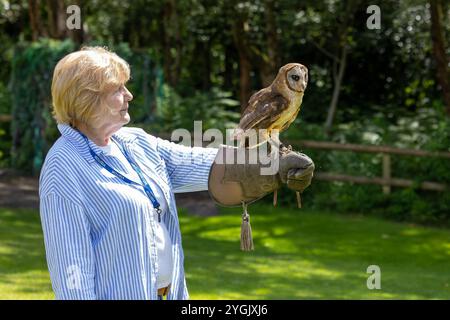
295, 77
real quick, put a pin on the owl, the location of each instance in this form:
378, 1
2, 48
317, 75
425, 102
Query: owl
274, 108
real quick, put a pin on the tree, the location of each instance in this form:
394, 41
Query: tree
172, 43
37, 30
255, 34
342, 46
53, 23
439, 52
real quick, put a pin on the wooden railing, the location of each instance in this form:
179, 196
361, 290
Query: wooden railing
387, 181
5, 117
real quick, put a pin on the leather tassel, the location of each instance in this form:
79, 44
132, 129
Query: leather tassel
299, 200
246, 231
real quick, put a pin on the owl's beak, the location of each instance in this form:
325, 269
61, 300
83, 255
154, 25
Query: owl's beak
305, 77
303, 86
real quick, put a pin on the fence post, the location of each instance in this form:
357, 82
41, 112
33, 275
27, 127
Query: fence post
386, 172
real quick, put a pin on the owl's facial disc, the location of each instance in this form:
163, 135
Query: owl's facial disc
297, 78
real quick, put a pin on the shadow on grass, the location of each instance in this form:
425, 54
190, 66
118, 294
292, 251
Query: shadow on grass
313, 256
298, 255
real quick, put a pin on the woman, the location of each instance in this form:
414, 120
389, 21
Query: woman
107, 191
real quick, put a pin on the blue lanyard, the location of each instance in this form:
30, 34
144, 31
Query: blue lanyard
138, 170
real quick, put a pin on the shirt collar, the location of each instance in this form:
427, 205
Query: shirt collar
75, 138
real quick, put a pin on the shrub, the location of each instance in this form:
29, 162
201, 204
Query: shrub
32, 125
428, 129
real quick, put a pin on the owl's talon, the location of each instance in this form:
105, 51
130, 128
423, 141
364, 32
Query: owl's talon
283, 148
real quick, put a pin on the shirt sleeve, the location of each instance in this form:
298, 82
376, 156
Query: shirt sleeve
188, 167
68, 247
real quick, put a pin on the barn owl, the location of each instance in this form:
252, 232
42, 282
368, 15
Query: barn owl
274, 108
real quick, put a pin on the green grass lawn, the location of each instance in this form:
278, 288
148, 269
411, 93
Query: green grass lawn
298, 254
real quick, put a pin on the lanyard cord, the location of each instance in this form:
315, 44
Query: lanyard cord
148, 191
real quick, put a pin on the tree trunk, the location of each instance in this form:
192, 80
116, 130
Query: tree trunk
206, 65
35, 19
267, 61
56, 11
229, 71
178, 43
244, 63
167, 42
172, 38
348, 15
77, 35
273, 62
437, 36
337, 89
146, 85
244, 80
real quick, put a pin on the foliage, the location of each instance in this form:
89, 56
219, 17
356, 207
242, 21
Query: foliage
146, 79
186, 66
212, 108
428, 130
5, 137
155, 105
33, 129
33, 126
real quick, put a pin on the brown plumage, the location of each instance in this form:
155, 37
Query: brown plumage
277, 106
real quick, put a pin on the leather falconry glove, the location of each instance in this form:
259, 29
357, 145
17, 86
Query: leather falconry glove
239, 176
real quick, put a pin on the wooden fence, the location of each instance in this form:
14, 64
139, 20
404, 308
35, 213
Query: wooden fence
5, 117
386, 181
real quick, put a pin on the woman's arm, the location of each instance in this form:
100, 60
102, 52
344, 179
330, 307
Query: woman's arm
68, 247
188, 167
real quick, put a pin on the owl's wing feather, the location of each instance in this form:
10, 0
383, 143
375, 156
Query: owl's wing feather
263, 109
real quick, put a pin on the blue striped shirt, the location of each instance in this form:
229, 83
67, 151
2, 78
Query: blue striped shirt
99, 231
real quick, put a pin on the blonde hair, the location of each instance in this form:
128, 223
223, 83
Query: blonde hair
81, 81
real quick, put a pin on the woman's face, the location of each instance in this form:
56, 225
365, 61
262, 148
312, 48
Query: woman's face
117, 101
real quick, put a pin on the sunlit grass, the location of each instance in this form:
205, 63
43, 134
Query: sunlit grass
298, 254
23, 269
301, 254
